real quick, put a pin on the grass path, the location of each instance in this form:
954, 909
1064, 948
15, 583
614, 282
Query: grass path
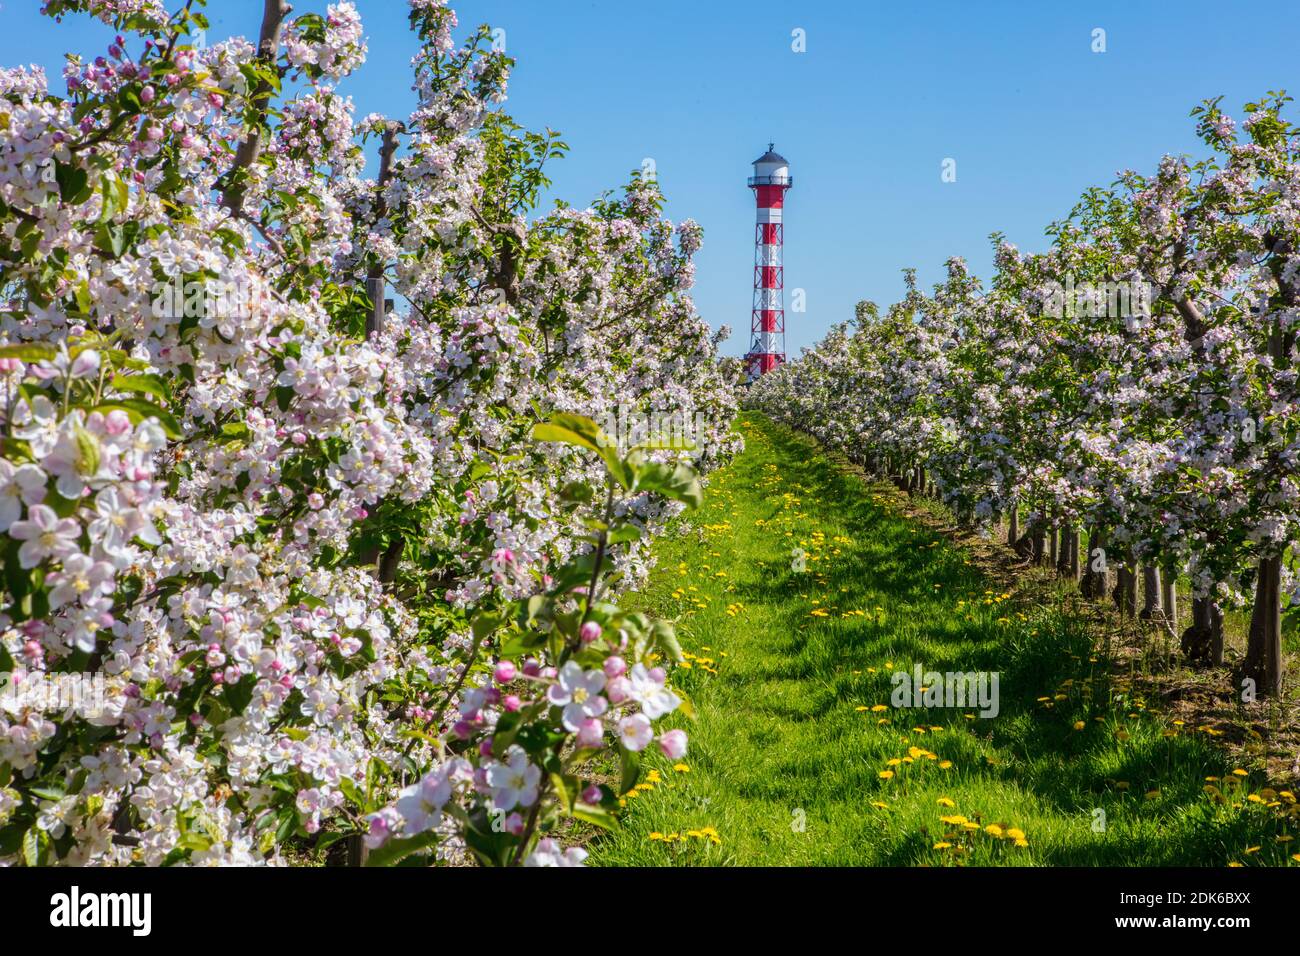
797, 756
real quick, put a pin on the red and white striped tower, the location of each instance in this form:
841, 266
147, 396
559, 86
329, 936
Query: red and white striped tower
767, 345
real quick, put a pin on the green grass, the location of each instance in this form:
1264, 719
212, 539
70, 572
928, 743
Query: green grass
785, 767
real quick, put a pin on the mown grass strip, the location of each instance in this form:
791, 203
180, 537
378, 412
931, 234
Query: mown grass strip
798, 756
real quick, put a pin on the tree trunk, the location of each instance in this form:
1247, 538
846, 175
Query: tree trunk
387, 570
1013, 523
1074, 552
375, 274
1202, 642
1169, 597
1264, 643
1150, 593
1216, 634
357, 850
1125, 592
1094, 579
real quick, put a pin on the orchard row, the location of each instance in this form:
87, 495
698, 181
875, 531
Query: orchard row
344, 576
1132, 391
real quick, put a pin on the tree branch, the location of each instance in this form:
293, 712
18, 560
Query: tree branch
268, 48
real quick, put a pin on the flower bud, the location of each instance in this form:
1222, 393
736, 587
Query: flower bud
673, 744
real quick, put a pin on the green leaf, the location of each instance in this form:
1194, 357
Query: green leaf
595, 816
239, 694
664, 636
627, 532
394, 851
506, 730
288, 824
350, 791
82, 293
571, 430
677, 482
112, 238
563, 793
235, 430
87, 451
73, 183
36, 844
621, 470
30, 351
144, 384
485, 623
329, 839
629, 769
116, 195
578, 491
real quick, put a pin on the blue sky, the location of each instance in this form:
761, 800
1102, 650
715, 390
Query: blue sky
883, 94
